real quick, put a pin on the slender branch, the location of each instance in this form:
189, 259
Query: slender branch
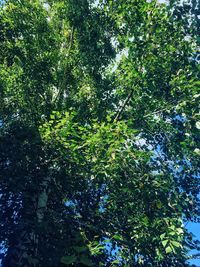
71, 40
160, 110
42, 199
63, 82
120, 111
194, 256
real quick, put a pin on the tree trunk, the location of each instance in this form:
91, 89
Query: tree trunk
23, 251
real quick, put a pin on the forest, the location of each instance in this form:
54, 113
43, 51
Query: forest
99, 133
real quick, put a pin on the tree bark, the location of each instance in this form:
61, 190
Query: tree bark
23, 251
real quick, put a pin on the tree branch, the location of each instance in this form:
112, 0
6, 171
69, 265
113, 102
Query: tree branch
120, 111
63, 82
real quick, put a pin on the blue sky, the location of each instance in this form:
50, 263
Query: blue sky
195, 229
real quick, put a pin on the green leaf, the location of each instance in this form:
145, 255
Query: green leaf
68, 259
115, 262
162, 236
197, 151
179, 230
173, 233
86, 260
117, 237
176, 244
168, 250
164, 243
80, 249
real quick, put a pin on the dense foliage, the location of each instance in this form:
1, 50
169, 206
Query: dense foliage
99, 132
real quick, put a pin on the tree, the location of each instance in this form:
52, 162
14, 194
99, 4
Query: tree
99, 133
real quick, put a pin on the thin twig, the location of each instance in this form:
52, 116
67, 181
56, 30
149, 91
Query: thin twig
120, 111
62, 84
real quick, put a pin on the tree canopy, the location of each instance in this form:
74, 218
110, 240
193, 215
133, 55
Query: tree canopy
99, 132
